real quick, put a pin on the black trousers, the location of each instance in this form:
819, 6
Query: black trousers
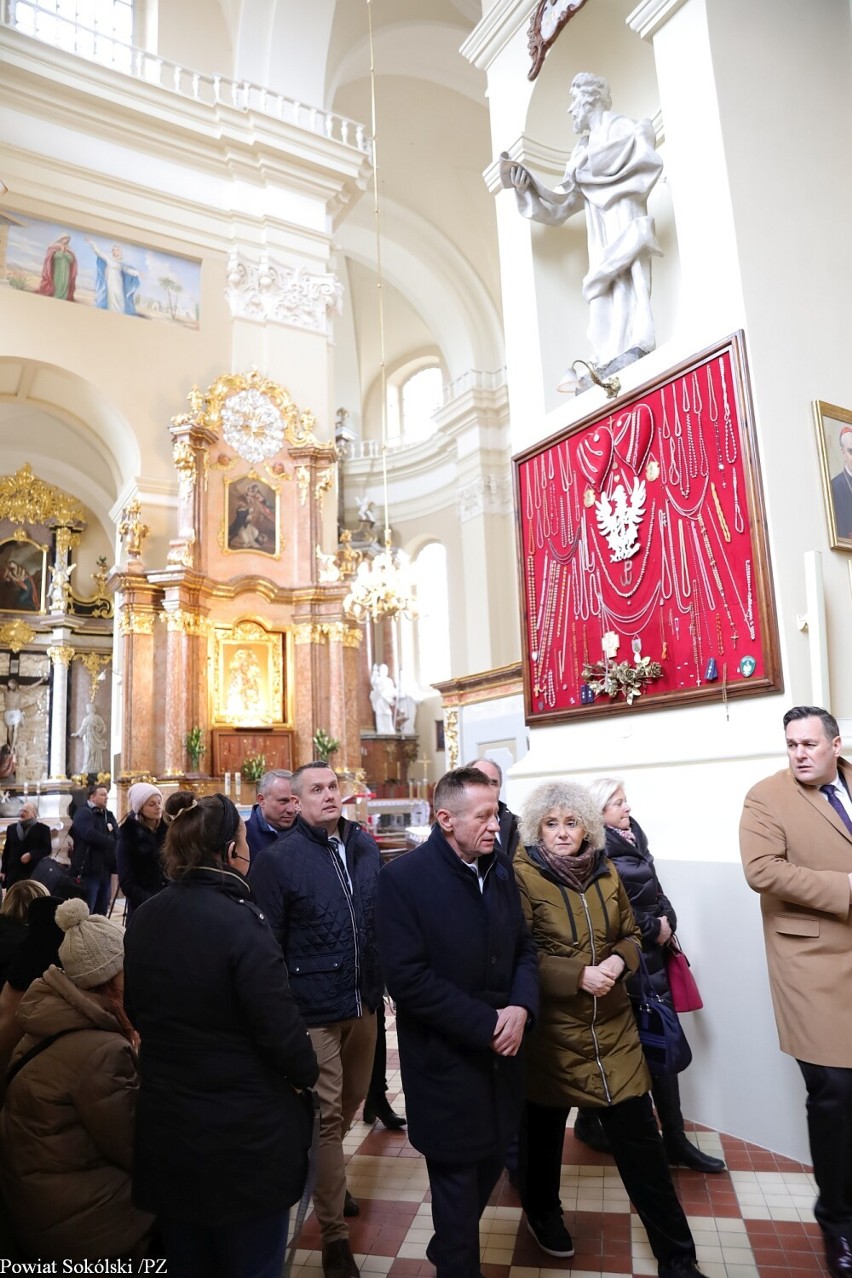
460, 1193
829, 1110
666, 1093
378, 1081
639, 1156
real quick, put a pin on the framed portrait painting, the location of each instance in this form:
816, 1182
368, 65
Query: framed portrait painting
252, 516
23, 576
834, 441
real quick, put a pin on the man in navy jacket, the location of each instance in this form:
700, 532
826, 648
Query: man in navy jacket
93, 832
461, 965
317, 887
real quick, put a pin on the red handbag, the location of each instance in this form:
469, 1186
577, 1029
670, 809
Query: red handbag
686, 996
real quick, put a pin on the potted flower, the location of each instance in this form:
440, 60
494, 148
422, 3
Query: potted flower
324, 745
253, 768
195, 747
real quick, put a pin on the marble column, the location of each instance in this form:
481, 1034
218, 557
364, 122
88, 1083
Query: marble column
186, 664
137, 610
61, 655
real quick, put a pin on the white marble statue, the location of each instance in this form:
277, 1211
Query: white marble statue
15, 703
93, 733
610, 172
408, 698
382, 698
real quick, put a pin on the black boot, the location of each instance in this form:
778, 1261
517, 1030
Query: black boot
679, 1149
589, 1131
682, 1153
381, 1110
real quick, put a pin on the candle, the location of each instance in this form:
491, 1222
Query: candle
228, 784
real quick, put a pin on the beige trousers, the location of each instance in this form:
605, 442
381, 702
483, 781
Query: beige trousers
345, 1055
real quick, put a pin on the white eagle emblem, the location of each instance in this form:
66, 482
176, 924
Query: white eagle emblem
619, 519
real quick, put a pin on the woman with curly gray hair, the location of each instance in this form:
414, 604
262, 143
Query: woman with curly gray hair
585, 1047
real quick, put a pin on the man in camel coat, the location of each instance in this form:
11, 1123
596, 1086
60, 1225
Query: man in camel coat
796, 845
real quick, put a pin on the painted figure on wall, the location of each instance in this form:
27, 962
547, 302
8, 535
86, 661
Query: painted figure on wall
59, 272
116, 283
841, 487
610, 173
93, 733
21, 577
246, 702
252, 517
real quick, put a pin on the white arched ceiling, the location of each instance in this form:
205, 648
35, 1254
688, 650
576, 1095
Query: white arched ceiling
68, 432
437, 280
283, 44
423, 51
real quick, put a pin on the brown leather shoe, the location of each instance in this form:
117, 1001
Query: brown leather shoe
338, 1261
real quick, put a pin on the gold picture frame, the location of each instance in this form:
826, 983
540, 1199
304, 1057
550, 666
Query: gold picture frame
248, 677
23, 575
833, 425
252, 516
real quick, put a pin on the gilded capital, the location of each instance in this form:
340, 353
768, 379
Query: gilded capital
61, 654
180, 621
131, 622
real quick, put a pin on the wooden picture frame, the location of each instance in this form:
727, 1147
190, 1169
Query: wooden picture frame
641, 538
834, 443
23, 575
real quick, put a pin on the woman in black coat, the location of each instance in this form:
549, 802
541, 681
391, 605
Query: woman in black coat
627, 848
138, 851
223, 1122
27, 843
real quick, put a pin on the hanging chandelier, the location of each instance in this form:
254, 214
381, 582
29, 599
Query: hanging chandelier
382, 585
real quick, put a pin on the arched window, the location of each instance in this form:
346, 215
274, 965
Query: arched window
412, 398
433, 624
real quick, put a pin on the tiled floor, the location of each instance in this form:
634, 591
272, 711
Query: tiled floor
755, 1221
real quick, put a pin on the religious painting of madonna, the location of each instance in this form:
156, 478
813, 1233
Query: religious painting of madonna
23, 575
252, 520
643, 554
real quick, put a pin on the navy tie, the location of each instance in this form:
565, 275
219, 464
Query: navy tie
834, 799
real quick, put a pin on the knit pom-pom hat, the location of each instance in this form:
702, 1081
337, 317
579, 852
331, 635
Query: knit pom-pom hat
93, 949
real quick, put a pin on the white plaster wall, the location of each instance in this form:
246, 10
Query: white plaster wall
756, 247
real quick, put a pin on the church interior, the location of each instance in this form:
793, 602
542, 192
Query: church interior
283, 379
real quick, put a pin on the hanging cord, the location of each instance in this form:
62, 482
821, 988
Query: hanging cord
380, 278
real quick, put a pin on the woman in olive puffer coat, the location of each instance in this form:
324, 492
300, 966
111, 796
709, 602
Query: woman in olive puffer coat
585, 1047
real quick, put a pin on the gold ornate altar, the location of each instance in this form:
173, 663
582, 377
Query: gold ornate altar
235, 633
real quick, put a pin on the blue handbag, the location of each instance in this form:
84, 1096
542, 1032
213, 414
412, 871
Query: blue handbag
660, 1033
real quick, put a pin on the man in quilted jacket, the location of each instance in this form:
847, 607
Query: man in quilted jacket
317, 886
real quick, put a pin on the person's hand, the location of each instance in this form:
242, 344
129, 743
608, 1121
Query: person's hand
509, 1030
597, 980
26, 858
520, 177
665, 931
614, 965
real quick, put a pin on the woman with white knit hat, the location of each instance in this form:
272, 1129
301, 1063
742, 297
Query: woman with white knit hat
138, 852
66, 1129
